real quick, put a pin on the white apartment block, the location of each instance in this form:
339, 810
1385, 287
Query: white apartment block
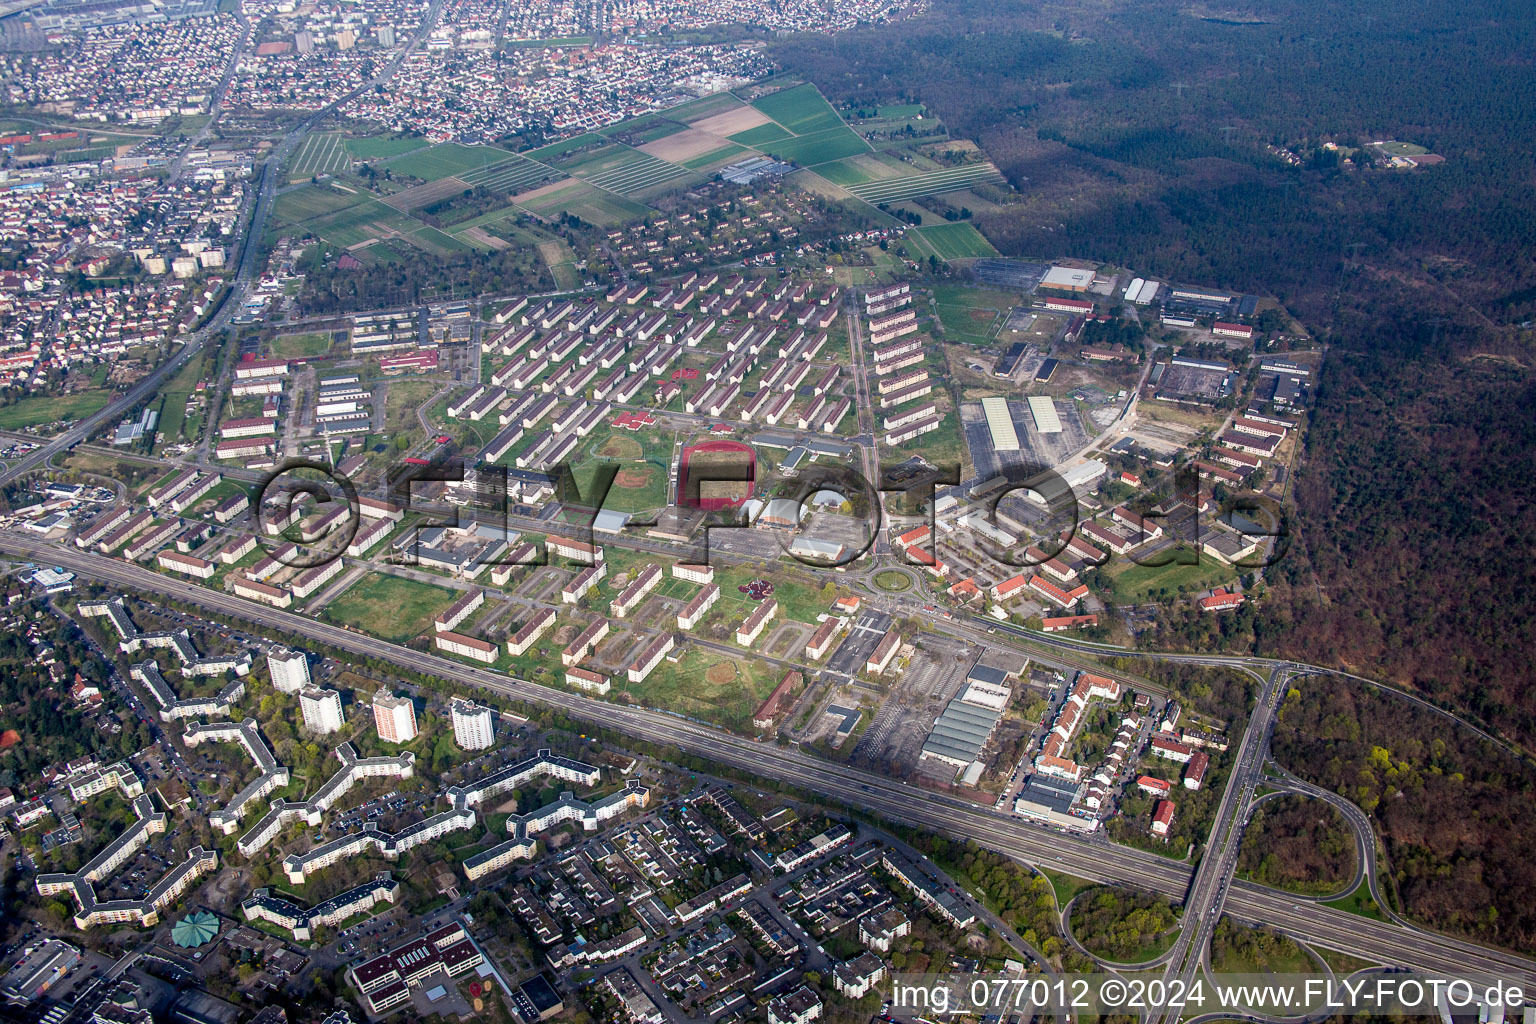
321, 709
289, 670
473, 724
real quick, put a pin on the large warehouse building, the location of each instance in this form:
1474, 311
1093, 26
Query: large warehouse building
1000, 424
1043, 409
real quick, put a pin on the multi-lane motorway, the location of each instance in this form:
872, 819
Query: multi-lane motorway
1096, 860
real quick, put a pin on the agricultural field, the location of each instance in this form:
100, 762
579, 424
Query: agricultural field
698, 110
390, 607
761, 135
384, 147
515, 174
864, 168
950, 241
800, 109
446, 160
304, 204
930, 183
628, 172
811, 150
321, 153
642, 130
715, 158
580, 199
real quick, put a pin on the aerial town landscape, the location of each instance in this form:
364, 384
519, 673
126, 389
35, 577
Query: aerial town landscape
705, 511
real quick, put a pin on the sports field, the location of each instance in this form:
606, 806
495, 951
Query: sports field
319, 154
930, 183
950, 241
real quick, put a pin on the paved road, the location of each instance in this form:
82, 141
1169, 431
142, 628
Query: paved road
1095, 860
1213, 878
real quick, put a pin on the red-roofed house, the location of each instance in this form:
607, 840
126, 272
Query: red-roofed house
1009, 588
1221, 600
1162, 817
1063, 622
1194, 773
1152, 787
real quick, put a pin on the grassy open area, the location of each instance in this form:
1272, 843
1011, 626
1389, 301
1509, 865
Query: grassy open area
1065, 886
720, 688
389, 607
35, 410
1359, 902
892, 581
955, 241
1133, 584
301, 346
972, 314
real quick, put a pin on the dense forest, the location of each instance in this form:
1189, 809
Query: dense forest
1121, 924
1300, 845
1138, 133
1152, 137
1449, 806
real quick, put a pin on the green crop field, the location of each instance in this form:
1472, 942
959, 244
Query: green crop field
810, 150
633, 174
762, 135
446, 160
647, 128
556, 151
865, 168
320, 154
305, 204
954, 241
383, 147
802, 109
931, 183
716, 157
590, 204
707, 106
389, 607
517, 174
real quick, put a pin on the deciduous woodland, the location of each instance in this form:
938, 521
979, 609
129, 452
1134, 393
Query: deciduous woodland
1209, 150
1449, 806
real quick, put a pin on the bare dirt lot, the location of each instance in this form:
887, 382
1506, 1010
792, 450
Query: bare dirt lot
732, 121
684, 145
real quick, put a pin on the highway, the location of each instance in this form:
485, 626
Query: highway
1218, 864
1091, 858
